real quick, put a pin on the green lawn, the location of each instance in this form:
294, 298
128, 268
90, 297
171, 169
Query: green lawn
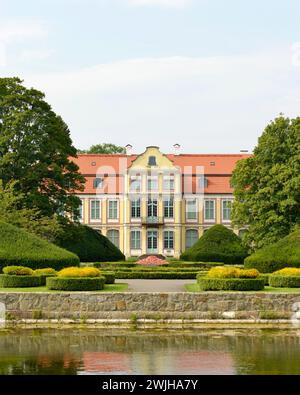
195, 288
107, 288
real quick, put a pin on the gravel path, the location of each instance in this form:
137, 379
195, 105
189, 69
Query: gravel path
156, 285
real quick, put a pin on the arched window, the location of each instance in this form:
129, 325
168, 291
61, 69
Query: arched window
191, 237
113, 236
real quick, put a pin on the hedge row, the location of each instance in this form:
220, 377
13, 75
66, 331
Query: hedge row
109, 277
76, 283
172, 266
284, 281
15, 281
155, 275
230, 284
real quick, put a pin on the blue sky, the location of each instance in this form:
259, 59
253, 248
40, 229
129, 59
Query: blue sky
209, 74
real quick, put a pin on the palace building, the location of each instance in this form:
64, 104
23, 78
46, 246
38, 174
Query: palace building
156, 203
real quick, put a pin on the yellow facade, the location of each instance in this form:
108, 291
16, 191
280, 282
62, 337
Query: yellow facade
169, 231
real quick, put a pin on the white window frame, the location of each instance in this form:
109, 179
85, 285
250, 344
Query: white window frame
135, 208
168, 239
118, 232
151, 179
187, 212
133, 242
135, 179
169, 208
108, 210
214, 210
186, 238
94, 201
167, 184
230, 209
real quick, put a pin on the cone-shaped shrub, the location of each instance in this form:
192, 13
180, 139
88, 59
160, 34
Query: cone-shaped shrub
20, 248
284, 253
89, 245
218, 244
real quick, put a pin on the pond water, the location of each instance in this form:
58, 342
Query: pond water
94, 351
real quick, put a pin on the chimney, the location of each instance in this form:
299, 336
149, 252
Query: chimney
177, 148
128, 149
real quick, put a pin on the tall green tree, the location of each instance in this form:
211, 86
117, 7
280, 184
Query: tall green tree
267, 184
36, 151
104, 148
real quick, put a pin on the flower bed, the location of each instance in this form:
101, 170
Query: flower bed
285, 278
152, 260
231, 279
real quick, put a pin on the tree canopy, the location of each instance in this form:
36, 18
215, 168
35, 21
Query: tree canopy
267, 184
36, 151
105, 148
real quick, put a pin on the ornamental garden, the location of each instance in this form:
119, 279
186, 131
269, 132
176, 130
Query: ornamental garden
218, 262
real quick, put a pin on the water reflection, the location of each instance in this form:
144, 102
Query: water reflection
90, 351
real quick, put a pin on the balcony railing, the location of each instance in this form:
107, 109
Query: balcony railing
153, 220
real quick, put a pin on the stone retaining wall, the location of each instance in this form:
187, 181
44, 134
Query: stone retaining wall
118, 306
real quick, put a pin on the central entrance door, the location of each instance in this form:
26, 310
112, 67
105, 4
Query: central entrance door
152, 241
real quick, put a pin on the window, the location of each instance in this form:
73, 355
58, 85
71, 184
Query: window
113, 236
136, 208
152, 161
226, 210
209, 210
203, 182
152, 184
135, 184
135, 240
169, 208
152, 208
95, 209
168, 184
191, 209
112, 209
191, 236
97, 182
80, 210
168, 239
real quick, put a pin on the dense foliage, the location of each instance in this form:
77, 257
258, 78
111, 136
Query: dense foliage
16, 281
18, 247
18, 271
284, 253
280, 281
218, 244
230, 284
36, 151
88, 244
79, 272
105, 148
232, 272
267, 184
75, 283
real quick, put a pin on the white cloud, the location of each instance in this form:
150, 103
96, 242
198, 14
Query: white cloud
207, 104
29, 55
20, 30
163, 3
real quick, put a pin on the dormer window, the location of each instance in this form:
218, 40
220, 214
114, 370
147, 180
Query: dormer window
98, 182
152, 161
212, 163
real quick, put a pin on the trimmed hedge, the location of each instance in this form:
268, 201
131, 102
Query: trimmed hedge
18, 247
110, 277
284, 281
266, 277
218, 244
43, 278
284, 253
230, 284
75, 284
16, 281
89, 244
155, 275
171, 266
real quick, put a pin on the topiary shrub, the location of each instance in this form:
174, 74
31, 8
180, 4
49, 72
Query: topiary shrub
75, 283
89, 244
17, 281
79, 272
18, 247
284, 253
218, 244
44, 274
288, 278
230, 284
18, 270
109, 277
232, 272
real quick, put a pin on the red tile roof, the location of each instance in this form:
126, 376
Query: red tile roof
217, 169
